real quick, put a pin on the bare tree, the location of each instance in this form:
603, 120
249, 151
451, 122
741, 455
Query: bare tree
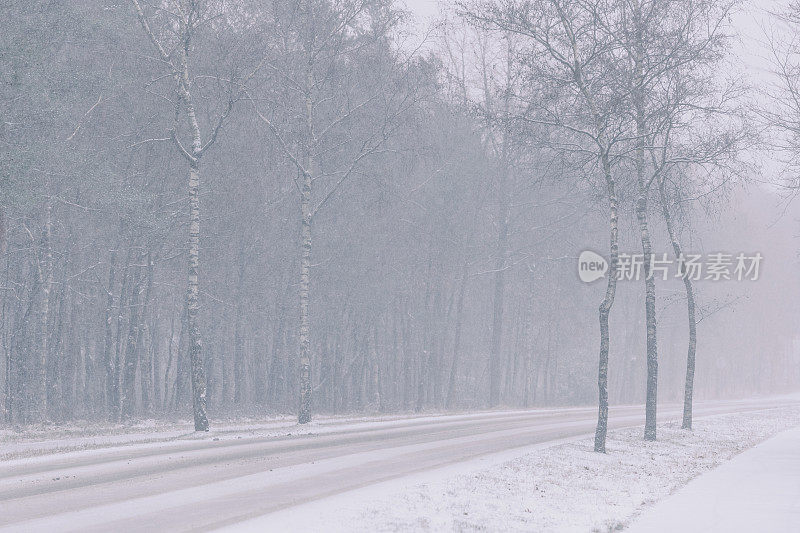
570, 54
443, 233
319, 53
182, 20
780, 110
672, 51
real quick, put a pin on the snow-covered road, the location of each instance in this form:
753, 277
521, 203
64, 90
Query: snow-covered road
201, 484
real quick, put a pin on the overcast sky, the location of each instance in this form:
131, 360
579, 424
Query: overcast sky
750, 55
750, 23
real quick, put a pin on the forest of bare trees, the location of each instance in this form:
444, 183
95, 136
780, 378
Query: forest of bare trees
256, 207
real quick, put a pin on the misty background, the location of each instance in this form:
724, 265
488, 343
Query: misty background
445, 229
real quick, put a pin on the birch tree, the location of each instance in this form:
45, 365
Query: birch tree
688, 165
403, 307
324, 48
569, 54
672, 51
173, 43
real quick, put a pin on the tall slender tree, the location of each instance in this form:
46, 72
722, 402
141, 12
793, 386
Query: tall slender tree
183, 20
325, 46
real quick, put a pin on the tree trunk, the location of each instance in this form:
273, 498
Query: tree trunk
156, 359
168, 366
651, 402
688, 391
408, 357
304, 414
109, 361
528, 347
238, 340
198, 374
46, 282
277, 367
4, 319
495, 363
131, 357
605, 310
145, 351
451, 382
376, 371
122, 303
650, 319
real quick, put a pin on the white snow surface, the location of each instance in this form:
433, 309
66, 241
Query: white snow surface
564, 488
758, 490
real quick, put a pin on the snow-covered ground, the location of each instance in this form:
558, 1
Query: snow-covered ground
758, 490
562, 488
491, 470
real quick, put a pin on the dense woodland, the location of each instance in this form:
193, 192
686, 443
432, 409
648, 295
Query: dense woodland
314, 206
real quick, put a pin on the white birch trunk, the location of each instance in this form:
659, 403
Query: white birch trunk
644, 231
688, 391
198, 374
605, 309
304, 414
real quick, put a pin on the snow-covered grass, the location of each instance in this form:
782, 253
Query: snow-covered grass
563, 488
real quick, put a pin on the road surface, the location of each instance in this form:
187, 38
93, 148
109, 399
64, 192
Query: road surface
205, 484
